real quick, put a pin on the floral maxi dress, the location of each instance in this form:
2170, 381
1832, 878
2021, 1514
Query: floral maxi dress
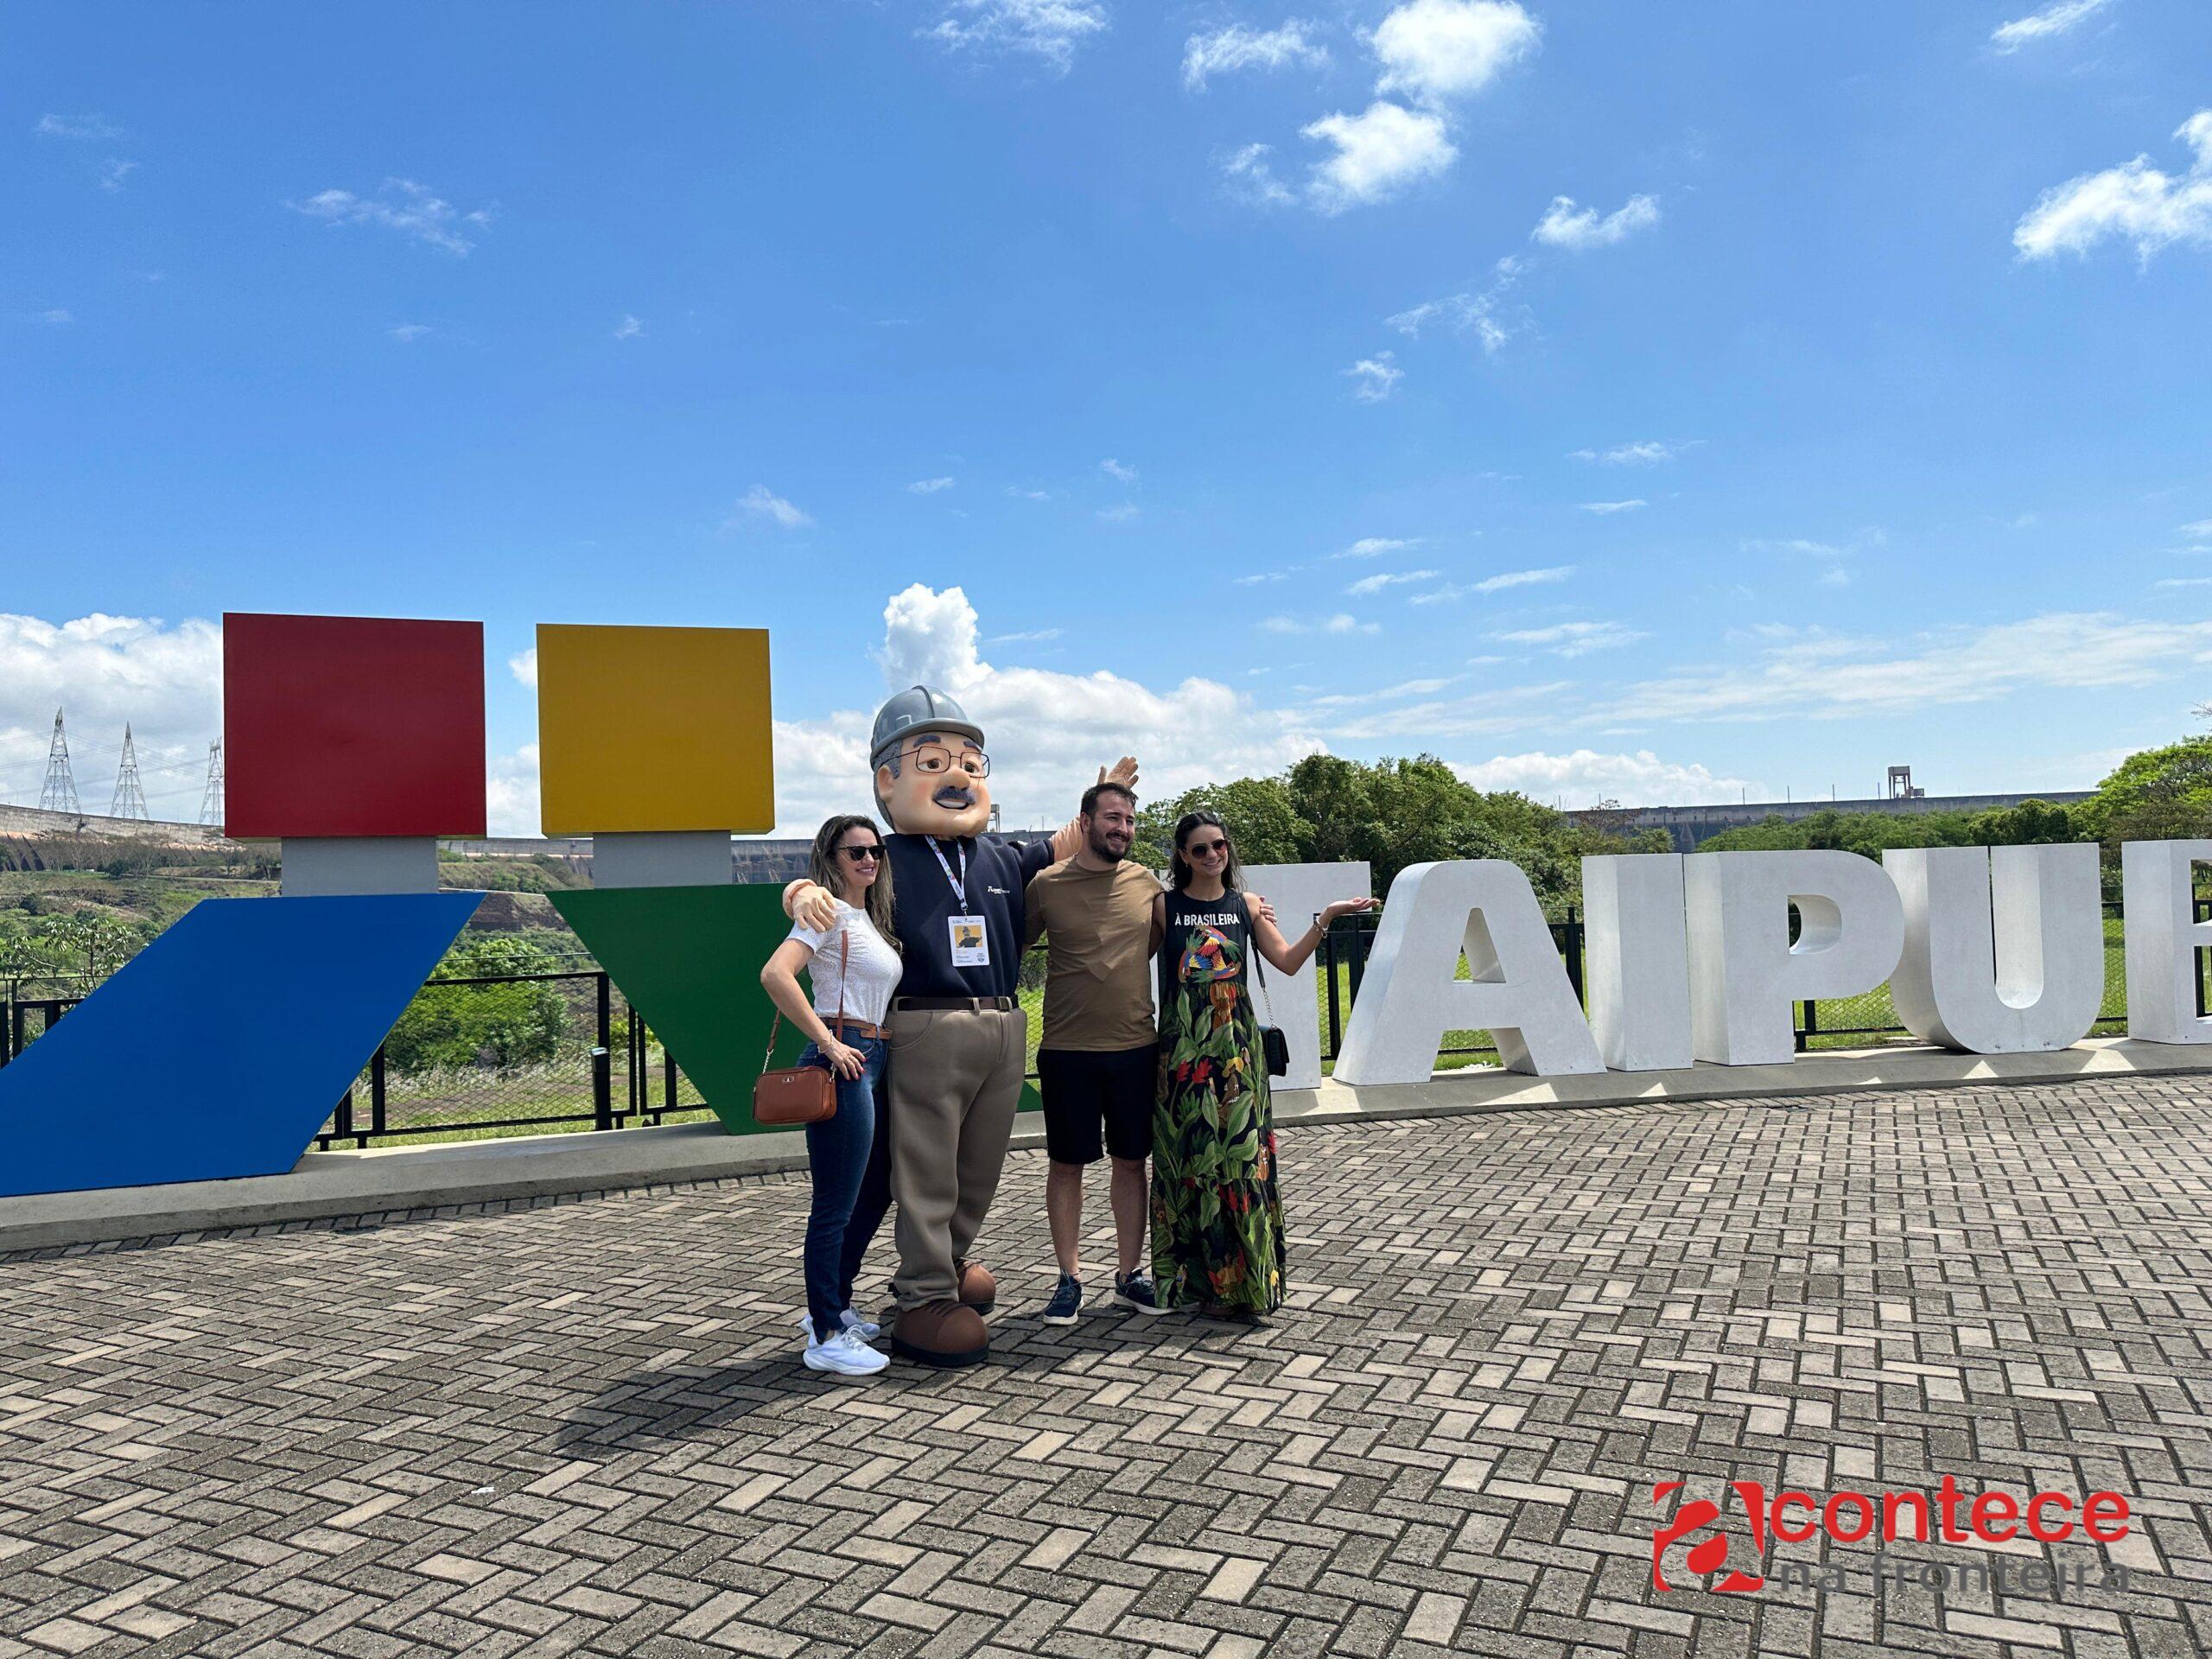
1217, 1222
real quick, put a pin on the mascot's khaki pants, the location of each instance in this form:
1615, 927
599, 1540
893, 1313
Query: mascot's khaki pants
955, 1079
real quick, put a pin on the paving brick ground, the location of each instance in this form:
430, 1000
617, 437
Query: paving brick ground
581, 1427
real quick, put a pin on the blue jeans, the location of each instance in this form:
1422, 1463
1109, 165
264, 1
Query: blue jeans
852, 1186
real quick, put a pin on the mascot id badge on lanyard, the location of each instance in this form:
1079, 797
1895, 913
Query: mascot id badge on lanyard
971, 945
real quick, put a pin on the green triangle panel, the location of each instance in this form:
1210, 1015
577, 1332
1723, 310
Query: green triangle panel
689, 959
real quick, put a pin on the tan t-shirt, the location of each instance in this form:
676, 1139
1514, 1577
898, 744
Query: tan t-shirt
1098, 981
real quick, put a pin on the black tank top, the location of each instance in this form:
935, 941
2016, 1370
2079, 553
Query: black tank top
1205, 940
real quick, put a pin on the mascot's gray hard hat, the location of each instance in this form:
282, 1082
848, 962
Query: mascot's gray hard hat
918, 709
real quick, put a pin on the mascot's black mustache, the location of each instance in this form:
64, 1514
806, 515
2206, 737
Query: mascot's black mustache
951, 796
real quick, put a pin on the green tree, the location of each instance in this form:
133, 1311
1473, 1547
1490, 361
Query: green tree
2158, 795
1257, 811
453, 1026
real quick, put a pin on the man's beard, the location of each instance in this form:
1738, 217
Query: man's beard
1100, 849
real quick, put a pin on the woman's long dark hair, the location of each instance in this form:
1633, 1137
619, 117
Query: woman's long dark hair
1179, 867
824, 871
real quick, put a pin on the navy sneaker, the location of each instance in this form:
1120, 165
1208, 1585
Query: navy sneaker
1067, 1301
1134, 1290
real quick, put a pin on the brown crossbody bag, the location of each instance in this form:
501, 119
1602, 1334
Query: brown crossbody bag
800, 1094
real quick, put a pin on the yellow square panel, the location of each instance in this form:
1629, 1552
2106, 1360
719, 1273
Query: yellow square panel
654, 728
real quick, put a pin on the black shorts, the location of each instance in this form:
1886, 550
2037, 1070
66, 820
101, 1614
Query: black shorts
1084, 1091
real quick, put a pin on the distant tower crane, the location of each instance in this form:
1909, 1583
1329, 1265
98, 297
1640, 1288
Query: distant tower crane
129, 796
59, 792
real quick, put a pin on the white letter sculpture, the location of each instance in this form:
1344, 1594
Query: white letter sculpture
1746, 975
2004, 949
1298, 892
1410, 997
1637, 960
2158, 883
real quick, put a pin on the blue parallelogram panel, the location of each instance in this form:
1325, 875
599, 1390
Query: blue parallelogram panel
221, 1048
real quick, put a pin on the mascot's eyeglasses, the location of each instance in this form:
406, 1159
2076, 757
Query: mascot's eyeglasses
936, 758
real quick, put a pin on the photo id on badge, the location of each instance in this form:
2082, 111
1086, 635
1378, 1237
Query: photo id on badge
971, 947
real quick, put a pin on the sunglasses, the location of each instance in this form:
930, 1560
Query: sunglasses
1206, 848
856, 854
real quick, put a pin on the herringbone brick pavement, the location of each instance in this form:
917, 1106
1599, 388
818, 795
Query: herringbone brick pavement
581, 1427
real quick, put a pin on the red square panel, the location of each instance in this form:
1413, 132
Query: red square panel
353, 726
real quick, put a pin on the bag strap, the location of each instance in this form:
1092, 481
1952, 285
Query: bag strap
1251, 939
844, 956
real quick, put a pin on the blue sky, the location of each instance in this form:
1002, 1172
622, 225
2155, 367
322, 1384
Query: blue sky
1851, 409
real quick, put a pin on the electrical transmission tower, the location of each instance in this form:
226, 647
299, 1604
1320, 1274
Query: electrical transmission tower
59, 792
130, 798
211, 803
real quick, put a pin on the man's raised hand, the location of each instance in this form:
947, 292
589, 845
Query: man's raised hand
1122, 772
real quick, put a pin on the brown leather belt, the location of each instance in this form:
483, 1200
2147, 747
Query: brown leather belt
953, 1005
854, 1028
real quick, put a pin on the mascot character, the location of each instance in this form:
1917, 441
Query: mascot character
959, 1040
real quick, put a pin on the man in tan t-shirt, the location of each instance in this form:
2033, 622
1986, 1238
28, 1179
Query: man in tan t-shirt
1098, 1064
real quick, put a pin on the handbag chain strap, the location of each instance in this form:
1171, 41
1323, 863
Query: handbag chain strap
844, 956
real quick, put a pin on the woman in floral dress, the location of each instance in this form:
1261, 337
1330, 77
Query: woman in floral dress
1217, 1221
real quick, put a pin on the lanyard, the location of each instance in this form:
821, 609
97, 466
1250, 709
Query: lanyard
959, 882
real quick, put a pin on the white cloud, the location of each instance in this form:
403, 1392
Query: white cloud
524, 666
1480, 313
1247, 176
1835, 576
1648, 453
1035, 636
1115, 469
1049, 30
404, 206
1434, 50
1119, 514
762, 502
1374, 377
1376, 583
163, 680
2184, 582
1585, 777
1048, 733
114, 170
57, 318
1564, 226
2202, 527
1612, 506
1379, 153
1495, 584
628, 328
1501, 709
77, 126
930, 486
408, 332
1340, 623
510, 794
2055, 19
2134, 201
1368, 547
1385, 694
1028, 495
1576, 638
1227, 50
1258, 577
1824, 677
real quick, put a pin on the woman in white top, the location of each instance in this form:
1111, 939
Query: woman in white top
855, 962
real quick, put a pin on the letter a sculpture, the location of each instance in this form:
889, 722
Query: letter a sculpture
959, 1038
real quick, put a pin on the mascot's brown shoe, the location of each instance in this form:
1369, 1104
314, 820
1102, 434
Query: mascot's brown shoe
978, 1289
942, 1333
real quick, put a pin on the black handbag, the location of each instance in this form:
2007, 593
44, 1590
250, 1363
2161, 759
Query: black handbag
1274, 1046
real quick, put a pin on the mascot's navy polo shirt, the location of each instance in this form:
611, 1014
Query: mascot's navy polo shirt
999, 871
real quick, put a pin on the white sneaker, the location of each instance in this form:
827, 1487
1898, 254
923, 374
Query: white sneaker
846, 1355
866, 1329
